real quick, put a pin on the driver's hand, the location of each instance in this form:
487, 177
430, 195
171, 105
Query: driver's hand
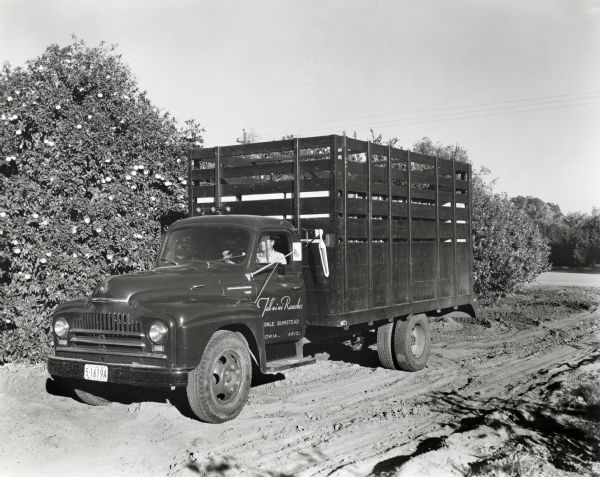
226, 254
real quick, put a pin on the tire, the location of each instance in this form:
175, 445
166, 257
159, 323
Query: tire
218, 387
412, 341
89, 398
385, 348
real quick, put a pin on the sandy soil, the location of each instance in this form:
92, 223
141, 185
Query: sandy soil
513, 393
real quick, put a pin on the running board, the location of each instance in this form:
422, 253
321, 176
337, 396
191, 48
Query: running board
287, 363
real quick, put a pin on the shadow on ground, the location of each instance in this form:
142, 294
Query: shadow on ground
566, 434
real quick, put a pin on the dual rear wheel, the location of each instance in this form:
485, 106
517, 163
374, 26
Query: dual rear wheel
404, 344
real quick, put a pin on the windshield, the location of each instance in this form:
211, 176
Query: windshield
205, 244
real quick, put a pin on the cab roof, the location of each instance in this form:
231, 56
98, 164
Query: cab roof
254, 222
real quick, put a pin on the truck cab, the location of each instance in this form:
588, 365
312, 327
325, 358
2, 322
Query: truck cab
229, 285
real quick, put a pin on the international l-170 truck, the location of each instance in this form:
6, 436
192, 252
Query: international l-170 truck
311, 239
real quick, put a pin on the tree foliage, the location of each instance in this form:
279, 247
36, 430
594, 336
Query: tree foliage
574, 237
91, 172
509, 250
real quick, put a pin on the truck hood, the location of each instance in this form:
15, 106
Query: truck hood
167, 284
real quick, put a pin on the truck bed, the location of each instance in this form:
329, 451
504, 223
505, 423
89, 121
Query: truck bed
397, 223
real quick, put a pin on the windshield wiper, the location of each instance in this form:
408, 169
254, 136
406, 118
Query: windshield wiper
168, 260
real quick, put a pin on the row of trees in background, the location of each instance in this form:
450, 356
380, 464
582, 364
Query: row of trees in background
574, 237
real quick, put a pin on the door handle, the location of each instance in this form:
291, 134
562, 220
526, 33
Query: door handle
296, 287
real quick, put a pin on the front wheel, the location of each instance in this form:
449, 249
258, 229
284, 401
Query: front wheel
90, 398
218, 387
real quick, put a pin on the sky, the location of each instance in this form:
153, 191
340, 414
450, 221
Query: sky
515, 82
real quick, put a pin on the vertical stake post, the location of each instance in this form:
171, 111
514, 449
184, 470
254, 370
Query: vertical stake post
297, 183
369, 225
409, 219
438, 288
390, 261
217, 177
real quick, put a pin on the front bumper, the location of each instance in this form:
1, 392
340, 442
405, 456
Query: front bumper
135, 374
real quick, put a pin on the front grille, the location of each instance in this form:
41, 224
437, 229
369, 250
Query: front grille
114, 323
106, 333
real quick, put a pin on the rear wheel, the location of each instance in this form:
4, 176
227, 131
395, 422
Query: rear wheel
412, 340
405, 343
385, 345
218, 387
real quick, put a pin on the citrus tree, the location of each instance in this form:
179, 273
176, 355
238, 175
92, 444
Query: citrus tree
90, 174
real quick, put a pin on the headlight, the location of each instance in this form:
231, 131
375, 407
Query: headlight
61, 328
157, 332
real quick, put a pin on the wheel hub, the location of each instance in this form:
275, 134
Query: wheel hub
417, 340
227, 376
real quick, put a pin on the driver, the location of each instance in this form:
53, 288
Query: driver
266, 253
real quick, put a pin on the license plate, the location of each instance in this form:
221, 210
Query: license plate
95, 372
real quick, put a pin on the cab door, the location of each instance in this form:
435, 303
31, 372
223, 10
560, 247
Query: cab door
281, 302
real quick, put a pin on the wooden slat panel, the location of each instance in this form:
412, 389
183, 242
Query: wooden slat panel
262, 187
380, 229
379, 188
203, 174
399, 191
380, 207
356, 185
398, 175
204, 154
422, 158
462, 166
423, 194
319, 205
357, 228
447, 230
355, 146
400, 229
423, 177
354, 206
424, 230
358, 168
399, 209
234, 161
316, 142
258, 148
379, 149
446, 213
399, 155
323, 223
445, 197
275, 168
378, 172
423, 211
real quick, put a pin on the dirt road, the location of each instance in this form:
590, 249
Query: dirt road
503, 391
589, 278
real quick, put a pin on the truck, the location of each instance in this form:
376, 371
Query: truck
287, 242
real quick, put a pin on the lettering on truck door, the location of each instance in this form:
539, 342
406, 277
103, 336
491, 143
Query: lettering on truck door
282, 301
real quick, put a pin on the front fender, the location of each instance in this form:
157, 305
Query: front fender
202, 318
